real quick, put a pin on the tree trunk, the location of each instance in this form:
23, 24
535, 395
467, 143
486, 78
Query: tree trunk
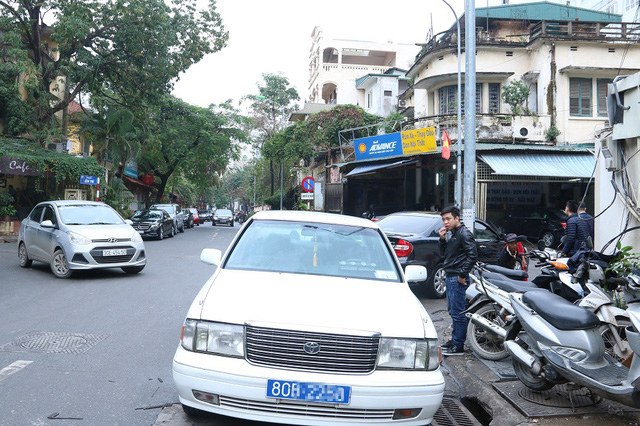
272, 175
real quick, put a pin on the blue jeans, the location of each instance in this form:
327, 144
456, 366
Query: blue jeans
456, 303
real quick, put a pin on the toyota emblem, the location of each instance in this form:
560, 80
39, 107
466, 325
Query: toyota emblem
113, 240
311, 348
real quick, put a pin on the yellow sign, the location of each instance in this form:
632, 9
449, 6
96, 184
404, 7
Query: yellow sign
418, 141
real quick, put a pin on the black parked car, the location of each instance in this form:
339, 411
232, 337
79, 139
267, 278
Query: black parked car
537, 223
188, 218
415, 238
153, 223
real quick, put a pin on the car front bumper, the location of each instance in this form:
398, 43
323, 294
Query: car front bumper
223, 220
241, 388
92, 256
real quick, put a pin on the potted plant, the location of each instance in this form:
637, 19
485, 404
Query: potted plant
6, 207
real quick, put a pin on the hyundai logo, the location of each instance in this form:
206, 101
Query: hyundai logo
113, 240
311, 348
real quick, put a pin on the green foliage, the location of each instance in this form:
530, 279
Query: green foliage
6, 204
515, 94
118, 196
552, 133
134, 49
625, 261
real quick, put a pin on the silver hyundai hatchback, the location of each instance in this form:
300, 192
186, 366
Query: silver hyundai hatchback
75, 235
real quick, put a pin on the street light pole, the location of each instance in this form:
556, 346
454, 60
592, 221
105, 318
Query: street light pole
458, 194
284, 122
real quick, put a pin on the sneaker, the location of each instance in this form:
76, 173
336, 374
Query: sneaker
453, 350
447, 345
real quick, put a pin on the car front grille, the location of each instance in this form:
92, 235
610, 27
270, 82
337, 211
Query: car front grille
141, 227
111, 240
280, 406
285, 349
96, 253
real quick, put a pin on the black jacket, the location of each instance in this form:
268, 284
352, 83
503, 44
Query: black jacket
459, 251
576, 233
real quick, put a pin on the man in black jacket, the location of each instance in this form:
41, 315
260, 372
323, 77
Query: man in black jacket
576, 231
458, 247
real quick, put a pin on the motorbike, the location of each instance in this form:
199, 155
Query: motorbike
553, 341
491, 312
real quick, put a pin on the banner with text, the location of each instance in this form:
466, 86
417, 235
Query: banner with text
408, 142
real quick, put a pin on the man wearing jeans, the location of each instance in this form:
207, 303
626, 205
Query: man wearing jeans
458, 247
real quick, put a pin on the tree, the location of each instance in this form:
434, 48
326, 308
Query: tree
515, 94
193, 141
130, 48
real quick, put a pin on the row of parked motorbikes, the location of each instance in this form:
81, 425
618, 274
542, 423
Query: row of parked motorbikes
562, 326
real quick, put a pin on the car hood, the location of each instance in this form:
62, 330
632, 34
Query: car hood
311, 301
145, 220
95, 232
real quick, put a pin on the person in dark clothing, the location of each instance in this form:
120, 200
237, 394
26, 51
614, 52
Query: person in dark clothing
513, 252
458, 247
576, 232
583, 215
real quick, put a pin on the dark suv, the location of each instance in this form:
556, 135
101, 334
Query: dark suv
537, 223
415, 239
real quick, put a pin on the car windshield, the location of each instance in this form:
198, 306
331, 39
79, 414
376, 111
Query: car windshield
168, 209
313, 248
202, 211
223, 213
85, 214
147, 214
409, 224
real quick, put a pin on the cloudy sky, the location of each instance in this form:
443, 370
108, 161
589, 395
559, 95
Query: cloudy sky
274, 36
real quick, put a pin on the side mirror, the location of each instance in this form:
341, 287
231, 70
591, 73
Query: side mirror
541, 245
211, 256
47, 224
128, 221
415, 273
502, 236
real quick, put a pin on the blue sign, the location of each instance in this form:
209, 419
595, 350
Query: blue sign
88, 180
380, 146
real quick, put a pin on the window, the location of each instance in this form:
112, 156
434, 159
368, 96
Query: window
36, 214
494, 98
369, 100
602, 96
580, 97
49, 214
388, 93
449, 99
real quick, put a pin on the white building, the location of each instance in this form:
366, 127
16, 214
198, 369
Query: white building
380, 91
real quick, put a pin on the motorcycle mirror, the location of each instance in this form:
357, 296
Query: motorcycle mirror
589, 243
541, 245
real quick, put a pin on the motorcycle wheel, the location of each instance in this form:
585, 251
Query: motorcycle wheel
484, 343
618, 353
530, 380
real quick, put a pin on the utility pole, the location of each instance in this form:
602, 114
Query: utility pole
469, 202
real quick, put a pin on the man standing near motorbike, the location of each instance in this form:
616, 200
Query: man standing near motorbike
458, 247
576, 231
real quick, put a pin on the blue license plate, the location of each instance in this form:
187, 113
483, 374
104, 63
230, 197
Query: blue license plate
304, 391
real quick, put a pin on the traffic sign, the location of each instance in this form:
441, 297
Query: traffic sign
306, 196
308, 184
88, 180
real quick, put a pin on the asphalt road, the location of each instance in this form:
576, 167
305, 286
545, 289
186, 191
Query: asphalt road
97, 348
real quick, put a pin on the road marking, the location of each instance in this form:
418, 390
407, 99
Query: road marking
13, 368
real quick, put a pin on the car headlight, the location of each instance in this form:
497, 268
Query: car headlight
213, 337
408, 354
75, 238
136, 238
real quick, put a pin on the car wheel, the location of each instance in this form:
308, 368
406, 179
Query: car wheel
548, 238
23, 256
172, 232
132, 269
213, 223
193, 412
59, 265
161, 233
182, 228
436, 284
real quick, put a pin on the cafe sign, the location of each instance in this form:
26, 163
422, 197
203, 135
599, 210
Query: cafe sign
17, 166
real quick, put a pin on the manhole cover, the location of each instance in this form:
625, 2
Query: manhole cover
559, 396
51, 342
453, 413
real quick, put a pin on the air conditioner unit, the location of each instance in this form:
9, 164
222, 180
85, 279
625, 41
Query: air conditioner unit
610, 154
528, 133
402, 103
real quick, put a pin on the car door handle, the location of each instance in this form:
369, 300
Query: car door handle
481, 246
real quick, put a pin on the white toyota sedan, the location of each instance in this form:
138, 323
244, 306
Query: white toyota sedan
308, 319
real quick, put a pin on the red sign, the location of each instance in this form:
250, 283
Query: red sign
308, 184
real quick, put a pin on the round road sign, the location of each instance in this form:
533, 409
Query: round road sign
308, 184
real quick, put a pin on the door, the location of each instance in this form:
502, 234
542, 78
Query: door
31, 228
488, 243
47, 237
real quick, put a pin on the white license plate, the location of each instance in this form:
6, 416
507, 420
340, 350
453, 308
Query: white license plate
114, 252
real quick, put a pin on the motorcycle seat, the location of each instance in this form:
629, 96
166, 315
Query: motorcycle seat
491, 276
559, 312
513, 286
511, 273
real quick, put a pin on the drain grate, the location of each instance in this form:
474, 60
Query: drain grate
55, 343
555, 402
453, 413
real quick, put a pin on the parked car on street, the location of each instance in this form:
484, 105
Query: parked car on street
205, 215
188, 218
274, 335
222, 216
196, 216
415, 238
75, 235
537, 223
153, 223
175, 212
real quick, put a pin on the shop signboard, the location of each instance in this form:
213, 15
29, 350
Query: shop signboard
17, 166
408, 142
